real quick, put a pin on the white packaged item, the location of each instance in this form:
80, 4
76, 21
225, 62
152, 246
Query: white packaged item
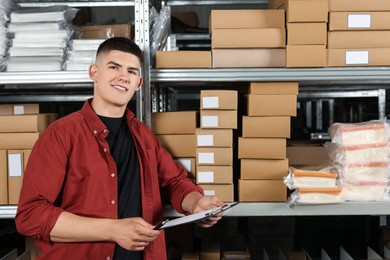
43, 14
34, 64
18, 52
375, 131
372, 172
317, 196
377, 152
41, 43
365, 191
324, 178
31, 27
57, 34
85, 44
75, 66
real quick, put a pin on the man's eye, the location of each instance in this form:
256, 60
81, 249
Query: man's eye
132, 72
113, 67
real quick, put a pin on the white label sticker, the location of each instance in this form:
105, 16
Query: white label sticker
210, 102
186, 163
205, 157
205, 177
209, 121
356, 57
15, 164
18, 110
205, 140
359, 21
209, 192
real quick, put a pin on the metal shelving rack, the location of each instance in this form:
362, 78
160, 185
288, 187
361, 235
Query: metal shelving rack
376, 76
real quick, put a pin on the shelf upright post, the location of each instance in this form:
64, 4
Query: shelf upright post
141, 24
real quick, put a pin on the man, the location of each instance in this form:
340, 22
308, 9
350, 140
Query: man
92, 185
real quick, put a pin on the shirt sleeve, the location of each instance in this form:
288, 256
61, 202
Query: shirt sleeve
45, 172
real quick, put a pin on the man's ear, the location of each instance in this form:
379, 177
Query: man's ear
92, 72
141, 79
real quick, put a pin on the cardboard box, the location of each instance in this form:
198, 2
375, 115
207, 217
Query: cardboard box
214, 156
190, 256
359, 5
23, 109
6, 109
358, 39
190, 18
214, 174
179, 145
214, 137
342, 21
229, 255
307, 33
298, 56
266, 126
183, 59
3, 178
273, 88
260, 169
261, 148
188, 163
26, 123
226, 119
359, 57
306, 154
218, 99
246, 19
225, 192
248, 58
180, 122
16, 161
306, 10
262, 190
18, 140
271, 105
248, 38
105, 31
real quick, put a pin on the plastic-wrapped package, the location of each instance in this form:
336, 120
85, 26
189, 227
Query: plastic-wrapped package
6, 6
33, 27
371, 172
375, 131
303, 196
160, 29
324, 178
365, 191
375, 152
53, 13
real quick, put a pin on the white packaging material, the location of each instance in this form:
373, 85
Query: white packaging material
43, 14
317, 196
34, 64
374, 131
365, 191
378, 152
324, 178
31, 27
372, 172
18, 52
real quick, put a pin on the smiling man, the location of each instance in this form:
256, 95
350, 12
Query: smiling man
93, 181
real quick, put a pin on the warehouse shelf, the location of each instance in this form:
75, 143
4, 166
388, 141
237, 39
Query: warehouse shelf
215, 2
76, 3
44, 77
350, 74
258, 209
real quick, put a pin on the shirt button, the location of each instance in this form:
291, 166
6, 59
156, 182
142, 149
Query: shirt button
105, 130
108, 258
95, 132
105, 150
113, 202
112, 175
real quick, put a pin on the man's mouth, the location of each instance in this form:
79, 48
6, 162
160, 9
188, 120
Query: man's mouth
121, 88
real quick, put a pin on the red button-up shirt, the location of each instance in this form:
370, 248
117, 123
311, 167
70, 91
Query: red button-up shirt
70, 169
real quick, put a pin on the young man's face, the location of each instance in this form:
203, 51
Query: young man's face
116, 77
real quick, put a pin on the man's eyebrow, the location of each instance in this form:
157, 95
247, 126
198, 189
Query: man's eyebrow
118, 65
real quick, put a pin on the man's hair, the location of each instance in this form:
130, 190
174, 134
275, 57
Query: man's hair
120, 44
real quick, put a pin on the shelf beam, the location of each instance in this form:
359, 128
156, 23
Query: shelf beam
78, 3
215, 2
44, 77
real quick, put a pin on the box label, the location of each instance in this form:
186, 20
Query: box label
205, 140
209, 121
356, 57
186, 163
18, 110
205, 177
210, 102
206, 158
359, 21
15, 164
209, 192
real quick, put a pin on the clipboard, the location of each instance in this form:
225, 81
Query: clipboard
194, 217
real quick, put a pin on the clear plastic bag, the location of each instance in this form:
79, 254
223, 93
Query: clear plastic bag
323, 178
365, 190
313, 196
160, 29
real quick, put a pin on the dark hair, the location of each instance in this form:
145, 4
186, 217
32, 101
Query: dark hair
120, 44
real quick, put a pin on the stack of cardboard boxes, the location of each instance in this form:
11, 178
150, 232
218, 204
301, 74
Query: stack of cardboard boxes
247, 38
359, 33
176, 133
214, 152
262, 147
306, 31
20, 127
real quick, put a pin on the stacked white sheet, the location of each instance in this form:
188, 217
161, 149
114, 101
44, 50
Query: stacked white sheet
82, 53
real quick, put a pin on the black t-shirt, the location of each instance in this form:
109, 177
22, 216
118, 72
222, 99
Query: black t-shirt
123, 151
